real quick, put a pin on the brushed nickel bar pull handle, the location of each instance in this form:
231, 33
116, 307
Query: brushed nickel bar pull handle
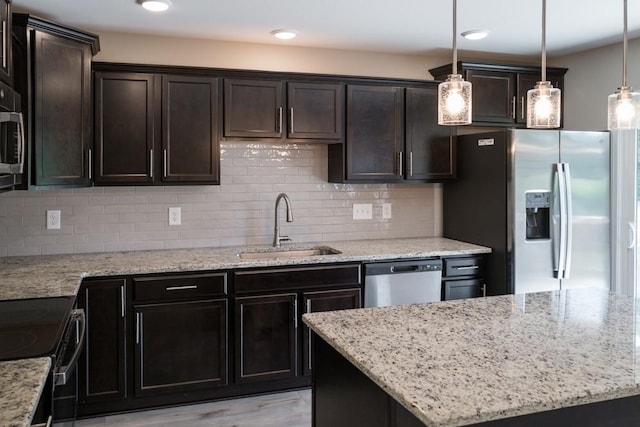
295, 313
138, 324
151, 163
468, 267
484, 289
291, 120
164, 163
513, 108
400, 154
122, 300
308, 306
280, 120
90, 160
181, 288
5, 48
522, 107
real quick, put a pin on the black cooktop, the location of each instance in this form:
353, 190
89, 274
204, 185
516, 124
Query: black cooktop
32, 327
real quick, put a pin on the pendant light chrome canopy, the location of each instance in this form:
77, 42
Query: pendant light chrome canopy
454, 94
543, 101
624, 104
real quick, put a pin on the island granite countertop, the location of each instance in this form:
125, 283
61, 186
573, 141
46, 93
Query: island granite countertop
503, 356
59, 275
21, 384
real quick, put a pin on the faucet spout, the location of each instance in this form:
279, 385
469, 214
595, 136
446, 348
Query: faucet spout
277, 238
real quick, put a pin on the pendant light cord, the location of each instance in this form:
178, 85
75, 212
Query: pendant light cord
624, 47
544, 43
455, 50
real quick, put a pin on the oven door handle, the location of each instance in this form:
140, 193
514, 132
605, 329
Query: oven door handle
63, 373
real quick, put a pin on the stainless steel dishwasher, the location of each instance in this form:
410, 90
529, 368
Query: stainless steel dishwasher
402, 282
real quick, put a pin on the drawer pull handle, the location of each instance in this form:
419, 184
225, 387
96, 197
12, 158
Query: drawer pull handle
181, 288
468, 267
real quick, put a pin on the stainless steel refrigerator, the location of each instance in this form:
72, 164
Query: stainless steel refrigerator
540, 200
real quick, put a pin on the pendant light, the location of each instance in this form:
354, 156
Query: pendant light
624, 105
454, 94
543, 101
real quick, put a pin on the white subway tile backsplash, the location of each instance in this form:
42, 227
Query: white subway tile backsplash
239, 212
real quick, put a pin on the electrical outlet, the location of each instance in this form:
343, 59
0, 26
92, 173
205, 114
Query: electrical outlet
386, 211
175, 216
53, 220
362, 211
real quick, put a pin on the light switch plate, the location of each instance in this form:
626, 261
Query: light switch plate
175, 216
53, 220
362, 211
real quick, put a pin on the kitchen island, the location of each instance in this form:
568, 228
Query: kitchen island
551, 358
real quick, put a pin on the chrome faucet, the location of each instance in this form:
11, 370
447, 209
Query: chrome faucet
277, 238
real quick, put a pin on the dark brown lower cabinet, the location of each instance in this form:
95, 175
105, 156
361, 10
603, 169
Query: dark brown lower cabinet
102, 366
314, 302
180, 346
265, 337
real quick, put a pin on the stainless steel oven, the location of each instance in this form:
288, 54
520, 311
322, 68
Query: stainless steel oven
50, 327
12, 139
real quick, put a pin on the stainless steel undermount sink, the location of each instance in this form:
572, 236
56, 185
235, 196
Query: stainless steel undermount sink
288, 253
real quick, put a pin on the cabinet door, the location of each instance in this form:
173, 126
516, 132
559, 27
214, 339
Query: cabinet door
125, 127
265, 337
180, 346
189, 130
375, 133
430, 148
101, 369
62, 111
253, 108
493, 96
315, 110
5, 40
314, 302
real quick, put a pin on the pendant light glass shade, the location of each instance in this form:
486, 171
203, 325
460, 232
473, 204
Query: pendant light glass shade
454, 101
624, 105
543, 106
454, 94
543, 101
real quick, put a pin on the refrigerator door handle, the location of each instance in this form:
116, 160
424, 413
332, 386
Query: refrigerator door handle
569, 221
560, 254
632, 235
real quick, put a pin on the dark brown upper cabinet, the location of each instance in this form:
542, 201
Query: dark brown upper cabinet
430, 148
125, 127
156, 128
52, 73
6, 64
392, 136
500, 91
257, 108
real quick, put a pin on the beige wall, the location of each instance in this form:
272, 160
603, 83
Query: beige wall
117, 47
593, 75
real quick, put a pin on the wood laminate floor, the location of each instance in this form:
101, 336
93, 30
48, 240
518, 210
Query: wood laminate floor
289, 409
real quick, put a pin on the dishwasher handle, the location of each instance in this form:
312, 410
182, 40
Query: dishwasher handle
401, 266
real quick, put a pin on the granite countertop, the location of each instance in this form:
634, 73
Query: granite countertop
59, 275
502, 356
21, 381
21, 384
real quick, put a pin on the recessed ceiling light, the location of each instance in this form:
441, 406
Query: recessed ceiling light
155, 5
475, 34
284, 34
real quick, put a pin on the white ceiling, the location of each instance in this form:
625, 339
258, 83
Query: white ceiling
420, 27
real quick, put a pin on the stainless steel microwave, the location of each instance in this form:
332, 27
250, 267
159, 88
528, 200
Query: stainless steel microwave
12, 140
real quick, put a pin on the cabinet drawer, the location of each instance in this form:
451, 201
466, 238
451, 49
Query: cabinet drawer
460, 289
298, 278
179, 287
465, 266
